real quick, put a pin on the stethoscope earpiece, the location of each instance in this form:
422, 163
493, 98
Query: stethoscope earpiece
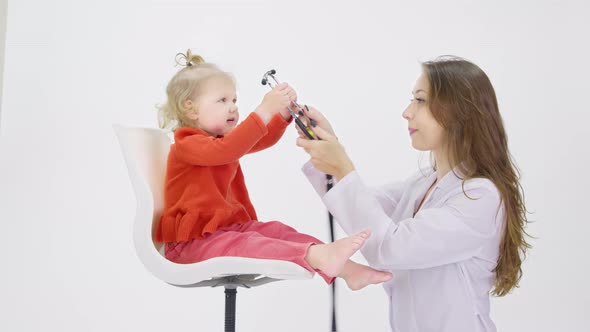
270, 73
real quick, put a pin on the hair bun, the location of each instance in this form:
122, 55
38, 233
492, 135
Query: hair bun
189, 59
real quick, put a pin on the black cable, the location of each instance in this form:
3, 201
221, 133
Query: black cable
329, 184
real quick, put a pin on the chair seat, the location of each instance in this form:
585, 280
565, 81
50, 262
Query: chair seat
217, 268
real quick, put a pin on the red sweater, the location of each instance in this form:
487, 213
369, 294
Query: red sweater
204, 188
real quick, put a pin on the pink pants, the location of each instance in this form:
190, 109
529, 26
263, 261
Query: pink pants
254, 239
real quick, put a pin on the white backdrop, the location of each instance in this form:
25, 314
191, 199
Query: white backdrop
2, 44
72, 68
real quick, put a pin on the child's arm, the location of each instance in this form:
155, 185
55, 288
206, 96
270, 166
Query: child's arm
276, 128
204, 150
279, 122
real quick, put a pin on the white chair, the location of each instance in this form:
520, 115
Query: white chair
145, 151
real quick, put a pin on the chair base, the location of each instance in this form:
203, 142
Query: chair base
231, 284
230, 309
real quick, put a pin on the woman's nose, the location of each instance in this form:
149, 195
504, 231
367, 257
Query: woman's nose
407, 114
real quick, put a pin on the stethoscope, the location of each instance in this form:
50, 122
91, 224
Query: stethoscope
330, 182
308, 132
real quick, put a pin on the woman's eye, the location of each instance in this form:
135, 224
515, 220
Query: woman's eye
419, 100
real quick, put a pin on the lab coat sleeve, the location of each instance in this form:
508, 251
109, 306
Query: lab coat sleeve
434, 237
387, 195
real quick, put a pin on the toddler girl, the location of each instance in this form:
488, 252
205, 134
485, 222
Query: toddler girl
207, 210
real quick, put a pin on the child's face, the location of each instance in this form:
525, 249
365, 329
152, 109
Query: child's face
217, 112
426, 133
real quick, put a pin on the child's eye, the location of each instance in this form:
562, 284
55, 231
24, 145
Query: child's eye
222, 100
235, 101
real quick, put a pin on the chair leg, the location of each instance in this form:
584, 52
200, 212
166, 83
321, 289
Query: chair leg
230, 309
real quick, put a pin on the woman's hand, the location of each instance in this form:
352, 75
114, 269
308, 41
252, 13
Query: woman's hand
318, 120
327, 154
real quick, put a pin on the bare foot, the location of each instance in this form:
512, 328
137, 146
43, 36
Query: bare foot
331, 258
359, 276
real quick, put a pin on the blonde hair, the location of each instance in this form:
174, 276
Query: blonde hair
185, 85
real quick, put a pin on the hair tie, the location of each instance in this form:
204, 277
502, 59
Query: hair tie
188, 59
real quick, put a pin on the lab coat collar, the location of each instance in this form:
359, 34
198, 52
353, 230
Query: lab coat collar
449, 180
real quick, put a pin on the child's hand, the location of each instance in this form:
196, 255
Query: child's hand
276, 101
292, 98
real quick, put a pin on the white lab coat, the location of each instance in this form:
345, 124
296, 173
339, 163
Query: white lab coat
442, 259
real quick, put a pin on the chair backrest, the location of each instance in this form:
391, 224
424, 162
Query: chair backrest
146, 151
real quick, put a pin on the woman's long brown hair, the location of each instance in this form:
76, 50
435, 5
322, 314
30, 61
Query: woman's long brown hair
463, 101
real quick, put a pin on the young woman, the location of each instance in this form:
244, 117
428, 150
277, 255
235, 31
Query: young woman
451, 234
